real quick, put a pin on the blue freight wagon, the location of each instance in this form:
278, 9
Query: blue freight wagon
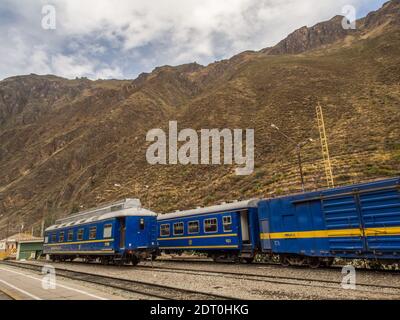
357, 222
223, 232
120, 232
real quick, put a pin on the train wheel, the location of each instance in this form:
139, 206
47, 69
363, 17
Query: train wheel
284, 261
247, 260
135, 260
328, 263
314, 263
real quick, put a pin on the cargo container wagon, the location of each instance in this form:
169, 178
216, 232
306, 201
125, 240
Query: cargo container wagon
353, 222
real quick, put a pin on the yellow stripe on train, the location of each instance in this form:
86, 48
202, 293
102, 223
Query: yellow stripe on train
200, 237
201, 247
332, 233
385, 231
78, 242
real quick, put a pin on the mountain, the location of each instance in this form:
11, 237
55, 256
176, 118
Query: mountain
329, 32
72, 144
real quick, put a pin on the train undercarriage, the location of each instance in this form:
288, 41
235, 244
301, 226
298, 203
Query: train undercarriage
126, 258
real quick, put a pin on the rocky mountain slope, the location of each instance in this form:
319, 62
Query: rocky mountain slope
71, 144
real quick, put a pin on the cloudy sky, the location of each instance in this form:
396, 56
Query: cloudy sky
121, 39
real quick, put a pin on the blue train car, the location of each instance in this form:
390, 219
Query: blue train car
223, 232
121, 232
358, 221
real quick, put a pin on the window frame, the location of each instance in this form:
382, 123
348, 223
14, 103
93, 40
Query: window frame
198, 226
78, 238
61, 237
108, 225
95, 233
70, 232
169, 230
231, 223
216, 224
53, 238
183, 229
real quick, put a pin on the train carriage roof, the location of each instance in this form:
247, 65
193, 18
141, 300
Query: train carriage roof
123, 208
224, 207
368, 186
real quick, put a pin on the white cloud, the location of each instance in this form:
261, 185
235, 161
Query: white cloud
71, 66
40, 61
109, 73
105, 38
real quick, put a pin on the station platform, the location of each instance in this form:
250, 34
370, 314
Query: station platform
4, 296
18, 284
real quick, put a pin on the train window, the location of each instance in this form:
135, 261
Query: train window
53, 237
141, 224
70, 235
92, 233
79, 235
227, 223
178, 228
193, 227
107, 232
164, 230
61, 237
210, 225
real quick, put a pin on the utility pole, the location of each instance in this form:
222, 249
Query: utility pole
299, 147
148, 197
8, 226
42, 229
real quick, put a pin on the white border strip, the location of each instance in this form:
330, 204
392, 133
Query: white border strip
59, 285
20, 290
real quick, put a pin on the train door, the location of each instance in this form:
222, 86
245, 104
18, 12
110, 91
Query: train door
122, 232
142, 234
343, 220
380, 211
263, 216
264, 234
244, 223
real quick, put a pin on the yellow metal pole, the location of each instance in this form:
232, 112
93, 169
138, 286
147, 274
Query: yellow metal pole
325, 148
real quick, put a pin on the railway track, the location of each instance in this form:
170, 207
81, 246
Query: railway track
143, 288
277, 265
387, 290
275, 279
286, 280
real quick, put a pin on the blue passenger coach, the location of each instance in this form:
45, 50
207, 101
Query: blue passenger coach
226, 231
121, 232
357, 221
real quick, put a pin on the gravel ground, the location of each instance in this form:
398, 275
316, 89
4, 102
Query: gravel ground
252, 289
333, 274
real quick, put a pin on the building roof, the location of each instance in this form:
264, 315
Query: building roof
21, 237
40, 240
